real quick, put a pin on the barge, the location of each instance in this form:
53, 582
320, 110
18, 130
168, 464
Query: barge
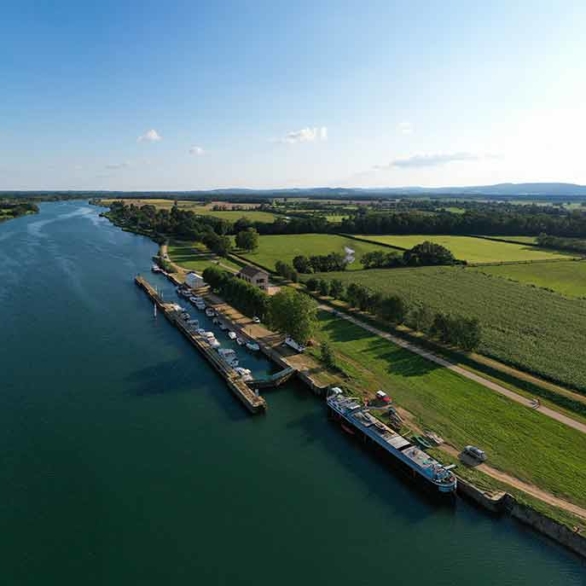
356, 419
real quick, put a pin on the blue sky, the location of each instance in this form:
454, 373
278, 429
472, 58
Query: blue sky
196, 95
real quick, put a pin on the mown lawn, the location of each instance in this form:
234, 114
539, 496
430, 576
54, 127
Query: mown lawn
473, 250
518, 440
534, 329
567, 278
195, 257
286, 247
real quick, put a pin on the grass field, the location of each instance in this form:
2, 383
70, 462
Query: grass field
286, 247
473, 250
536, 330
195, 257
518, 440
205, 210
567, 278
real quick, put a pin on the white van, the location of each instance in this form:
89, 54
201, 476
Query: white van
293, 344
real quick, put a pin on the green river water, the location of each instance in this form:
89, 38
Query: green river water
126, 461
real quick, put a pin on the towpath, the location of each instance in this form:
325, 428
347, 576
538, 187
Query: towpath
495, 387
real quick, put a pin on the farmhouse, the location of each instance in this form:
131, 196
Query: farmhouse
255, 276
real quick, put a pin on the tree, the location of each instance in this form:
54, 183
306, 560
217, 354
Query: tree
301, 264
247, 239
336, 288
420, 318
286, 271
429, 253
312, 284
392, 309
293, 313
324, 287
222, 246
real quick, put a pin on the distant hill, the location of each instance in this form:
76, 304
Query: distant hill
538, 191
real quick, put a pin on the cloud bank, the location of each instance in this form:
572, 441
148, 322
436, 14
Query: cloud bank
150, 136
436, 159
307, 134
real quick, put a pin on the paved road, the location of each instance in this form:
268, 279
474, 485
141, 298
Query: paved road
461, 371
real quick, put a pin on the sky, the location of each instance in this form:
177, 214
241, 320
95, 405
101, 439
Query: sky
151, 95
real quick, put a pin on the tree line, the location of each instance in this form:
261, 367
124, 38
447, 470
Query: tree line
288, 312
424, 254
488, 221
559, 243
184, 225
459, 331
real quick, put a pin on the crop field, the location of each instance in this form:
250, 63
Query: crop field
534, 329
205, 210
286, 247
517, 440
473, 250
567, 278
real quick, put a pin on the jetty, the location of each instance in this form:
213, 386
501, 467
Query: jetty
248, 397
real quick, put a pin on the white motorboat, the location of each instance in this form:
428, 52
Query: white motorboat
232, 335
210, 312
253, 346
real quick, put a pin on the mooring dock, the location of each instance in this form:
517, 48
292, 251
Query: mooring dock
253, 402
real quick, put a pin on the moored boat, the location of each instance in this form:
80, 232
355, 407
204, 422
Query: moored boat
356, 417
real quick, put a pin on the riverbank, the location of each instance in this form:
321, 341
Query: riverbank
12, 209
364, 385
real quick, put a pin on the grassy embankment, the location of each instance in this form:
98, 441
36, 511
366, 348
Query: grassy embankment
530, 328
286, 247
462, 411
519, 441
473, 250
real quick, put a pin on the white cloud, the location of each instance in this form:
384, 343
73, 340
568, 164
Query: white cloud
150, 136
307, 134
436, 159
405, 127
118, 165
196, 151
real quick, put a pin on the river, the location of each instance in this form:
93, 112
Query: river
125, 460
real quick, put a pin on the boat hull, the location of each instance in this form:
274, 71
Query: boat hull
443, 492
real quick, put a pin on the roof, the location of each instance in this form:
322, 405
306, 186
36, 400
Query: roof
250, 271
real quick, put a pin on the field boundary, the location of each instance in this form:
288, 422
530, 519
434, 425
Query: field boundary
438, 359
571, 401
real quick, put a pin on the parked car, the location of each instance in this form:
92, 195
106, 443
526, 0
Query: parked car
476, 453
256, 320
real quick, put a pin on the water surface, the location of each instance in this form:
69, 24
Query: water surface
125, 460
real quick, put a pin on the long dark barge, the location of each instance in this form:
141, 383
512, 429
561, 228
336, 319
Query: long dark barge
356, 419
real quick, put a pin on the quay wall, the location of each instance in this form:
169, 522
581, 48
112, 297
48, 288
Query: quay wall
504, 503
